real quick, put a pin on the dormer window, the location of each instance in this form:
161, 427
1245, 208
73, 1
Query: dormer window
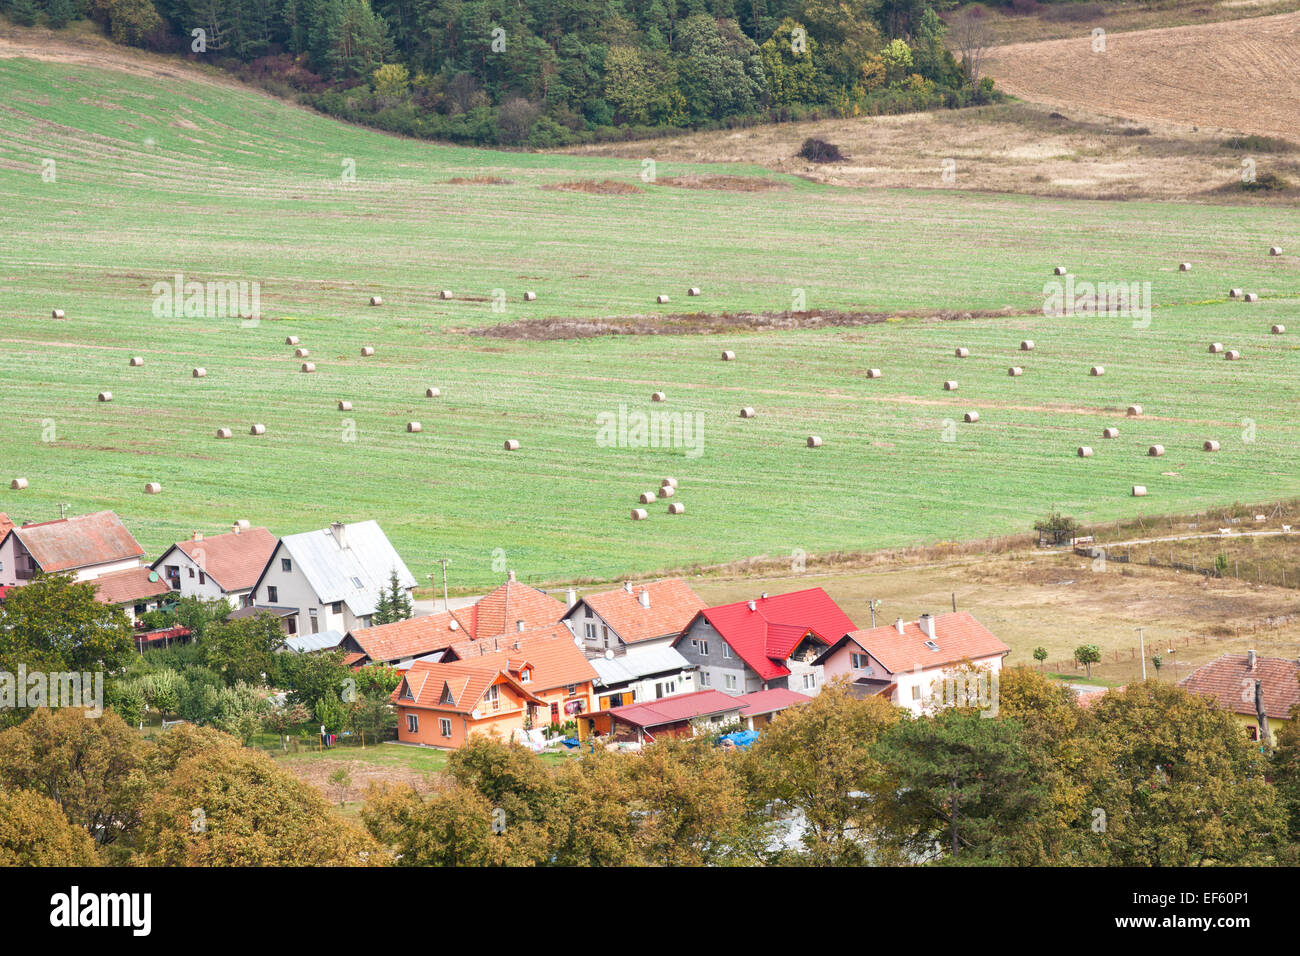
932, 645
525, 675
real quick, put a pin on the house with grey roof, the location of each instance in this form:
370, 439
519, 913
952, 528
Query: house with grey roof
640, 675
333, 577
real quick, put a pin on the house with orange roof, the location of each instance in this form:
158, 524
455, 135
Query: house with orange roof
627, 618
222, 566
136, 590
509, 609
83, 546
403, 641
908, 662
1260, 692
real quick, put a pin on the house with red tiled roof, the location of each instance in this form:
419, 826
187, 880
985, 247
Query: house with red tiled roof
218, 566
908, 662
683, 715
83, 546
5, 525
509, 609
631, 617
1243, 684
765, 643
403, 641
135, 590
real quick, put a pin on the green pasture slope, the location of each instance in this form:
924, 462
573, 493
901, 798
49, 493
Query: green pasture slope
159, 176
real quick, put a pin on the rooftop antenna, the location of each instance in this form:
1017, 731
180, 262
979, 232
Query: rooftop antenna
63, 511
873, 604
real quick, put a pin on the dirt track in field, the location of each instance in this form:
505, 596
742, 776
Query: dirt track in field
1242, 76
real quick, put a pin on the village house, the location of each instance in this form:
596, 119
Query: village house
222, 566
332, 579
907, 663
135, 590
508, 609
684, 715
1260, 692
403, 641
632, 617
641, 674
762, 644
86, 547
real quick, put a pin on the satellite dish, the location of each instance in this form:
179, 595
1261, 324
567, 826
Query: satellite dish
153, 577
609, 654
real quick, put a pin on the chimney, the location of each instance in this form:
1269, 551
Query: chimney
899, 625
764, 595
340, 532
510, 575
627, 586
197, 536
753, 606
519, 625
927, 625
572, 597
1251, 660
644, 598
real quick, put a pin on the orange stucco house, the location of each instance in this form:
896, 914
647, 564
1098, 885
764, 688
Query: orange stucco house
509, 687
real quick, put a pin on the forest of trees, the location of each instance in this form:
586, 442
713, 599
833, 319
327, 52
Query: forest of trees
551, 72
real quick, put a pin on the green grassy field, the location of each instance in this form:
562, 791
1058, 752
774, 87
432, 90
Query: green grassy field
159, 176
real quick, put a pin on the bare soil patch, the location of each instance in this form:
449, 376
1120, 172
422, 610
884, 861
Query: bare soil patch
603, 187
478, 181
735, 184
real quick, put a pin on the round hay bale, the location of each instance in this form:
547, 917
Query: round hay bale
445, 294
1110, 433
676, 508
971, 417
1278, 330
693, 290
376, 300
257, 430
747, 412
345, 406
667, 491
291, 340
639, 514
962, 353
432, 393
530, 296
728, 356
1232, 355
225, 433
105, 396
18, 484
950, 386
511, 445
1216, 347
308, 367
153, 488
661, 299
1015, 371
1184, 267
1139, 491
199, 372
1097, 370
1027, 345
136, 362
1156, 451
873, 373
413, 427
1250, 297
1085, 451
647, 497
56, 314
300, 353
1274, 250
1134, 411
1234, 293
658, 397
669, 482
1211, 445
367, 351
1059, 270
243, 524
814, 441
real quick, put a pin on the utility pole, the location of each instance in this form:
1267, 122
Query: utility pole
63, 511
873, 604
444, 562
1142, 652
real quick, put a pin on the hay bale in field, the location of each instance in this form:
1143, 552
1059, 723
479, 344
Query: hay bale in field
445, 294
873, 373
1216, 347
667, 491
105, 396
56, 314
530, 296
658, 397
1110, 433
1156, 451
1085, 451
432, 393
243, 524
300, 353
647, 497
1278, 330
376, 300
308, 367
1274, 250
661, 299
1139, 491
1184, 267
1059, 270
962, 353
153, 488
1134, 411
1027, 345
511, 445
413, 427
693, 291
728, 356
747, 412
225, 433
1097, 370
639, 514
291, 340
1015, 371
199, 372
669, 482
950, 386
345, 406
971, 417
1234, 293
814, 441
1211, 445
1232, 355
136, 362
257, 430
676, 508
367, 351
1250, 297
18, 484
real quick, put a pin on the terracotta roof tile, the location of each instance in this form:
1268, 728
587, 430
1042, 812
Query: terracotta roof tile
679, 707
1229, 682
672, 606
410, 638
123, 587
81, 541
959, 637
499, 611
234, 561
556, 660
429, 683
5, 525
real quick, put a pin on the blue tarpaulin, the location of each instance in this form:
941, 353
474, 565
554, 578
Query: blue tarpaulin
741, 738
570, 742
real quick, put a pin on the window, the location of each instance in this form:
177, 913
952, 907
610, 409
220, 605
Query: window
315, 622
357, 583
570, 689
191, 570
494, 697
809, 681
702, 647
172, 572
916, 692
726, 651
859, 661
591, 633
286, 564
730, 681
525, 676
273, 595
293, 624
604, 633
444, 726
412, 724
203, 578
336, 607
706, 679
